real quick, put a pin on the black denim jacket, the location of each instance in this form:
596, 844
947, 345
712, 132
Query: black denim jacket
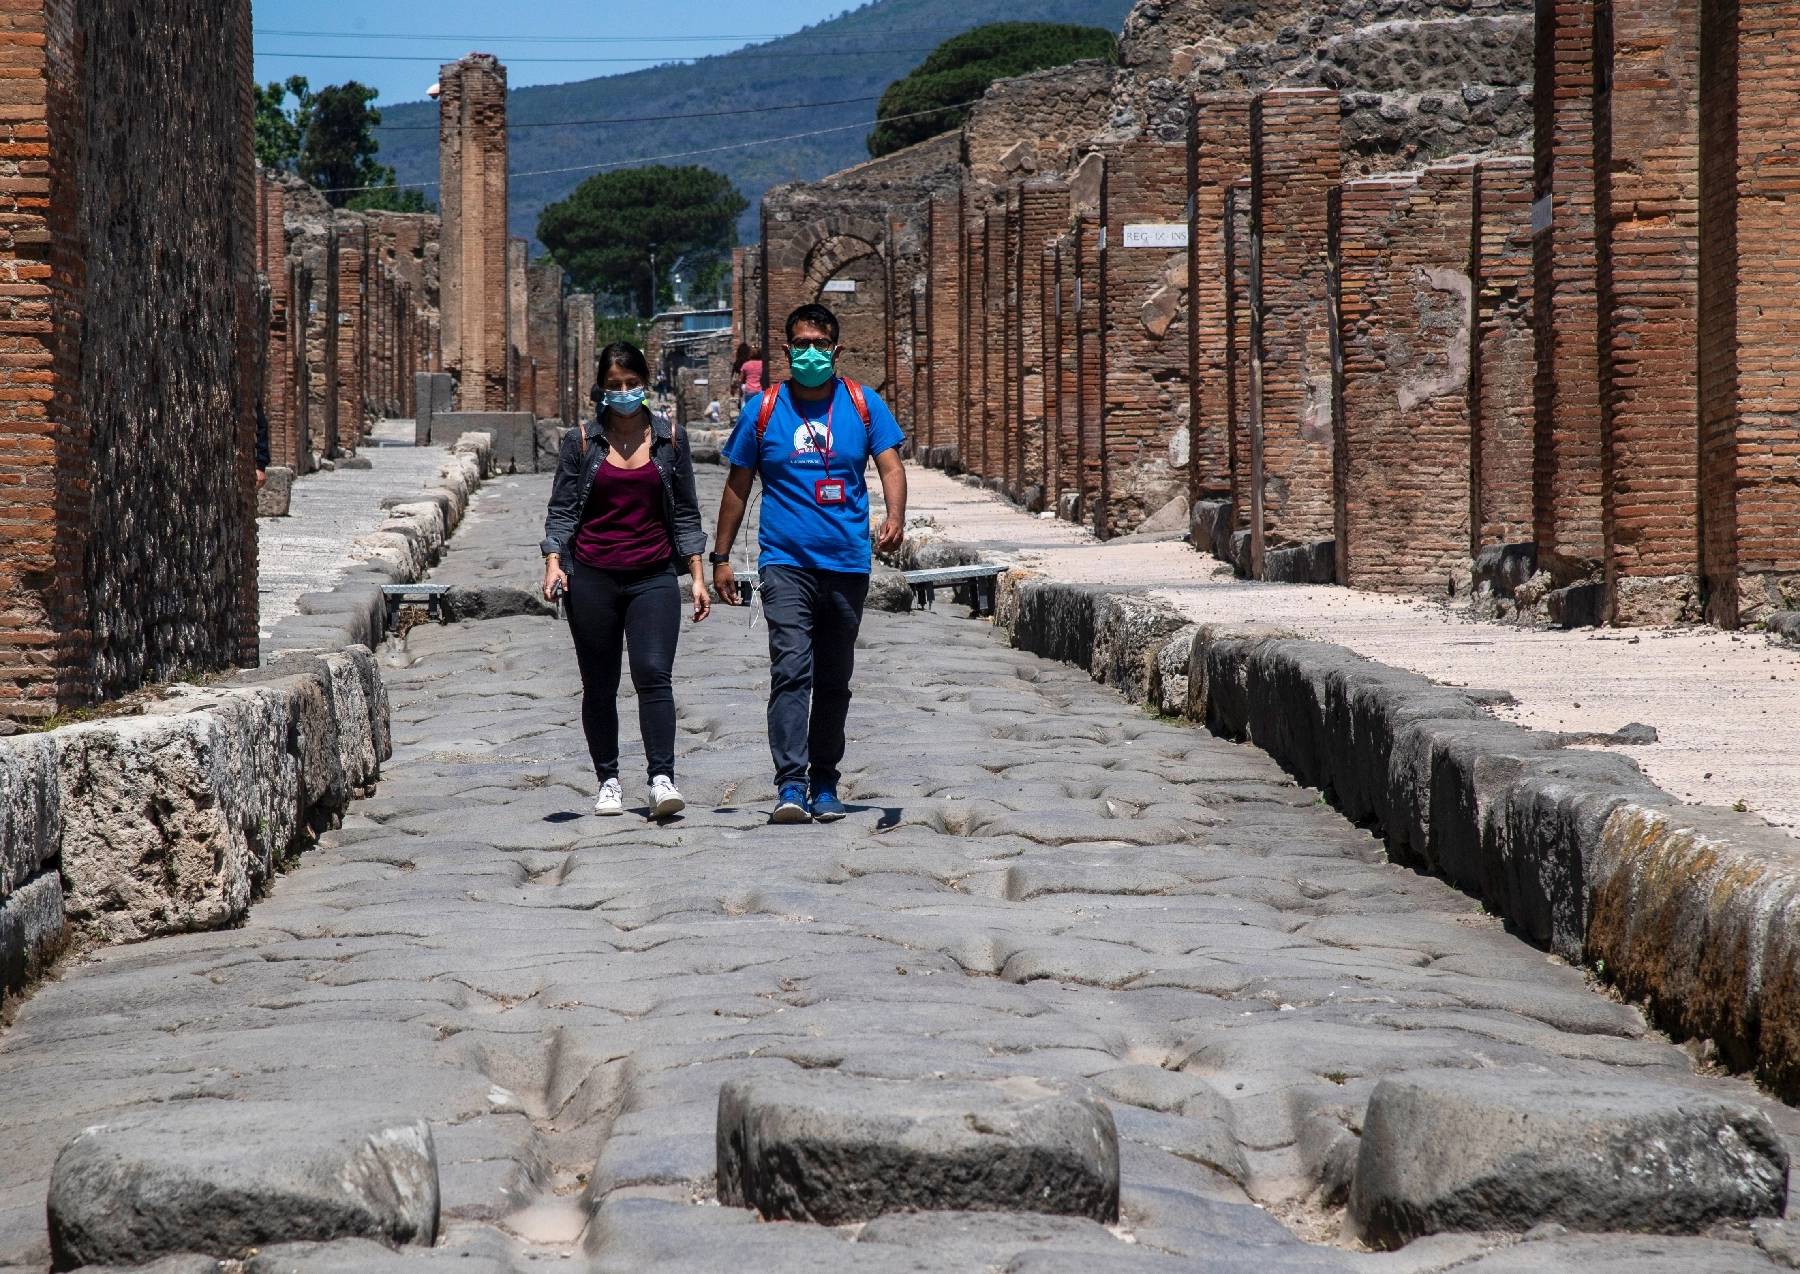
575, 479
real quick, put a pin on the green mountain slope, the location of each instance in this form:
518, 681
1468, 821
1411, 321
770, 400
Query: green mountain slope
855, 55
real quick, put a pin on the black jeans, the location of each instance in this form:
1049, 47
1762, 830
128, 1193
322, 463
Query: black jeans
813, 620
641, 612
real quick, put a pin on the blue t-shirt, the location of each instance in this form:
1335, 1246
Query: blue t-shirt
826, 441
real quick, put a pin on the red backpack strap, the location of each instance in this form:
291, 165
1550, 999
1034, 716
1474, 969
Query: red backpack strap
766, 410
858, 400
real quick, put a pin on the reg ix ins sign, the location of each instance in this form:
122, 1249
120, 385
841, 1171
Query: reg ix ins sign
1155, 236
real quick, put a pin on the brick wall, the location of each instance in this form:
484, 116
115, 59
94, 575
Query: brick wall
991, 387
1240, 402
1566, 465
1218, 155
971, 342
287, 444
352, 335
127, 534
518, 339
1011, 298
1143, 290
1050, 362
1647, 173
473, 196
1066, 485
943, 315
1401, 248
1090, 371
544, 284
579, 355
1503, 365
1295, 161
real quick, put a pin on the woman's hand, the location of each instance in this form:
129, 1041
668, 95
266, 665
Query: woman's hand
725, 583
554, 580
702, 600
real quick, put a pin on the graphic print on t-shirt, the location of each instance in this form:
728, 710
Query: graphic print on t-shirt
812, 437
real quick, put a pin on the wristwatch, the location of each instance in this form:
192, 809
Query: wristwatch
719, 559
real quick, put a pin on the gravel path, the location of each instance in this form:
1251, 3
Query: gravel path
1726, 706
1038, 882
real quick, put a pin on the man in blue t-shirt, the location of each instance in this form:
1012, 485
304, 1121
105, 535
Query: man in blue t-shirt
811, 445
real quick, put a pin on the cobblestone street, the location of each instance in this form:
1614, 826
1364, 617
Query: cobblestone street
1037, 881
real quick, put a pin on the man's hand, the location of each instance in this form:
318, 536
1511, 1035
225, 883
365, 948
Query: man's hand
554, 580
891, 536
725, 583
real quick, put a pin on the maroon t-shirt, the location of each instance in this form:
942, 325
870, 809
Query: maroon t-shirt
622, 528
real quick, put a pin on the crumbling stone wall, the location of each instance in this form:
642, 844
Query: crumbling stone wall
473, 194
1034, 125
1503, 365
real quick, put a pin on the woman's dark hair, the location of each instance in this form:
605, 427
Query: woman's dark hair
618, 354
743, 356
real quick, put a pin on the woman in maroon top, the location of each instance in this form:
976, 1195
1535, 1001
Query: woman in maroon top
623, 525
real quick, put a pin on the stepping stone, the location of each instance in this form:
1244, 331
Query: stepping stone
834, 1149
221, 1178
1509, 1150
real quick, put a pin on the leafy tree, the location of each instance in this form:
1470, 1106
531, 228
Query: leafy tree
279, 127
961, 68
386, 197
615, 225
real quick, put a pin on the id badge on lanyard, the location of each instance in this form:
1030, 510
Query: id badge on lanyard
827, 491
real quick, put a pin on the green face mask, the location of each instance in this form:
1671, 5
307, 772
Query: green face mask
811, 367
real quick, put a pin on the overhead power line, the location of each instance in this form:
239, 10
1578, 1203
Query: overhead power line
653, 159
646, 61
647, 119
516, 38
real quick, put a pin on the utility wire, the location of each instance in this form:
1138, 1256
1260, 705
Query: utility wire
645, 119
644, 61
651, 159
594, 39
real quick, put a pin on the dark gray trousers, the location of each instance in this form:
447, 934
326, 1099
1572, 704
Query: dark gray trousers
813, 619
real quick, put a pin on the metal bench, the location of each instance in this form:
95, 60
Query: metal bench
430, 596
973, 586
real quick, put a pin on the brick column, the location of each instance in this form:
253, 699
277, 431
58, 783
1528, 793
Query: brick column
1505, 357
1647, 171
973, 337
991, 388
581, 353
1090, 371
328, 391
943, 314
740, 327
544, 301
1295, 163
1043, 212
352, 334
1401, 252
1144, 327
1049, 362
1218, 156
1062, 358
285, 445
1749, 357
473, 196
1566, 465
518, 340
1012, 300
1245, 464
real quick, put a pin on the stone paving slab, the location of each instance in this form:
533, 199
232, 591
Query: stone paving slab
1726, 706
1038, 882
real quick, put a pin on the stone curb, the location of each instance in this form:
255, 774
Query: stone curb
1692, 911
175, 819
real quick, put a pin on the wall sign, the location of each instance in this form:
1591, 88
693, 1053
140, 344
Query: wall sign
840, 285
1155, 236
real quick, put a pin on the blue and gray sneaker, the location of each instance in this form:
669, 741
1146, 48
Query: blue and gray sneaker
790, 806
826, 807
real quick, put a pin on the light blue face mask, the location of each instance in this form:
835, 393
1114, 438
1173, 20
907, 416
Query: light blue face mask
625, 401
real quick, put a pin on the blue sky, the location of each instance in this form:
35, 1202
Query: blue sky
585, 37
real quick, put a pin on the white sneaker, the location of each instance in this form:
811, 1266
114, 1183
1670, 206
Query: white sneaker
612, 799
664, 799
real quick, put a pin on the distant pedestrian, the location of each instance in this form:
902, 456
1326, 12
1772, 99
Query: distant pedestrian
747, 372
623, 525
811, 440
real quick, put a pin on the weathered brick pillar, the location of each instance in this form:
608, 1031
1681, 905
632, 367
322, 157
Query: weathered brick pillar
581, 354
1218, 156
1049, 359
272, 262
1090, 373
943, 314
971, 345
740, 327
518, 340
296, 372
1647, 170
1504, 362
1011, 302
1043, 212
1566, 466
1401, 248
352, 334
544, 282
1246, 496
1749, 354
992, 386
1066, 489
1295, 163
473, 197
322, 342
784, 249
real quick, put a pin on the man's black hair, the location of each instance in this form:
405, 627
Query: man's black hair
818, 316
